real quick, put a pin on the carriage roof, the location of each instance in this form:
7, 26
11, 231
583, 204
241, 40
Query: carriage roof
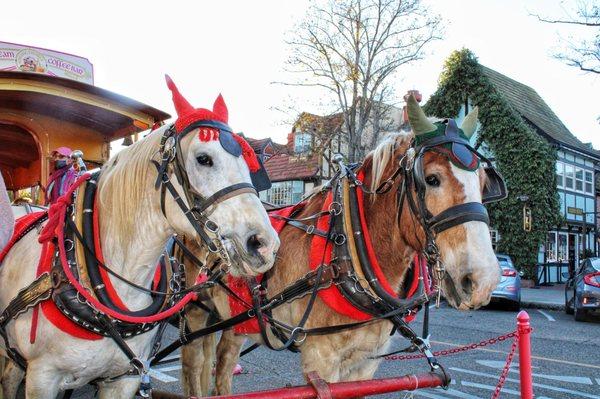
39, 113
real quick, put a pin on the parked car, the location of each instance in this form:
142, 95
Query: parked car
509, 289
582, 290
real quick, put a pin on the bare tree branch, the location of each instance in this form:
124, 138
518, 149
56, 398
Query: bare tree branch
583, 54
352, 49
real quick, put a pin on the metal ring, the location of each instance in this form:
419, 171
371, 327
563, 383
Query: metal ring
335, 208
310, 229
299, 341
71, 245
251, 313
339, 239
78, 296
214, 246
357, 284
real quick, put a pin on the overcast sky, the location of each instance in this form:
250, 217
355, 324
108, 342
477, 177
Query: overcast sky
237, 48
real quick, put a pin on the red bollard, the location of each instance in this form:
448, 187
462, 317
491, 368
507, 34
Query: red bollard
524, 331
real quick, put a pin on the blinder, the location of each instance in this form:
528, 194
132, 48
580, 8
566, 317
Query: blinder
459, 151
260, 178
463, 155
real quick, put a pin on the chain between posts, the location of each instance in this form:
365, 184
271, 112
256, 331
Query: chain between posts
506, 368
459, 349
481, 344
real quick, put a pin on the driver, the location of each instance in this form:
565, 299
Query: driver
62, 177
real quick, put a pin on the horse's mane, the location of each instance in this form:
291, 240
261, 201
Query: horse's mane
126, 181
383, 154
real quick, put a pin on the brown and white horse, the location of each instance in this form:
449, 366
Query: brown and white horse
133, 233
465, 249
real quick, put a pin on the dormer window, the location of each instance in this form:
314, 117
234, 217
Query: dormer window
302, 143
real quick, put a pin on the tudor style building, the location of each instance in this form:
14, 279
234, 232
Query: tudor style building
577, 169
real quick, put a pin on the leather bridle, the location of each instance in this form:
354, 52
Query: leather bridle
412, 169
199, 210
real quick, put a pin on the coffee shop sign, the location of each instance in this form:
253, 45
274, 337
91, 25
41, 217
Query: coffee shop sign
16, 57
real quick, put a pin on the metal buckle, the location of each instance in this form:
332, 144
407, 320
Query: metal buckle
211, 226
310, 229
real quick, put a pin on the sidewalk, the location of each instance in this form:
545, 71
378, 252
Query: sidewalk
552, 297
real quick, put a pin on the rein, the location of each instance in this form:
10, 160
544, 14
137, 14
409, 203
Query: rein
345, 234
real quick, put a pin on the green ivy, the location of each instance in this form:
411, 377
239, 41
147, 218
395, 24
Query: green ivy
525, 159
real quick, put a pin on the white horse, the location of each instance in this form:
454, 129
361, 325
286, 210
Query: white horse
133, 233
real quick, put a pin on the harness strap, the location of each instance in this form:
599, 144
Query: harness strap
459, 214
309, 229
224, 194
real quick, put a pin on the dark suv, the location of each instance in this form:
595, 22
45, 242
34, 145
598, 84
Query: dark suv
582, 290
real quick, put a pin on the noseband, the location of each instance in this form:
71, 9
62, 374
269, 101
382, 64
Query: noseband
198, 214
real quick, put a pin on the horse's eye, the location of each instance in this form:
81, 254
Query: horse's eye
432, 180
204, 159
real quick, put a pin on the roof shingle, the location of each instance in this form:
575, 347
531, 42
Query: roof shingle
289, 167
534, 109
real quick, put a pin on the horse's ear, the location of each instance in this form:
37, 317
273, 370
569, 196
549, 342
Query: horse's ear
470, 122
182, 106
220, 108
417, 118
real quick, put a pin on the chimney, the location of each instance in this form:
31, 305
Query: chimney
290, 142
418, 97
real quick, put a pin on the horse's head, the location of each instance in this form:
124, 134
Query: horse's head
441, 194
214, 166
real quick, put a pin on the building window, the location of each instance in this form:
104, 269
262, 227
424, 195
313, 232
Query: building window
551, 247
589, 209
495, 236
563, 248
560, 174
301, 143
578, 179
589, 182
569, 176
284, 192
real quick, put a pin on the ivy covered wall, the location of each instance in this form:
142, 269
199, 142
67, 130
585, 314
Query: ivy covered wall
524, 158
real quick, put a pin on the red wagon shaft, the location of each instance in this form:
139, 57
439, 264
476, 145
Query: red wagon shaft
320, 389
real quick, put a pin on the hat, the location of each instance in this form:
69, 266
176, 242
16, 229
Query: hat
65, 151
214, 125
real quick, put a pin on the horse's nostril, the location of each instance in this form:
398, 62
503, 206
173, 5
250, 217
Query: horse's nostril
467, 283
254, 244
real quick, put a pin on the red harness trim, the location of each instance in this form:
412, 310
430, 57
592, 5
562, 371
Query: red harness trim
318, 255
21, 225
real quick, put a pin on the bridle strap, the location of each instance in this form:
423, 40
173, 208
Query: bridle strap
224, 194
458, 214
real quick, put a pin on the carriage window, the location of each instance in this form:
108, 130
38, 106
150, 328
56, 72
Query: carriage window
589, 182
568, 176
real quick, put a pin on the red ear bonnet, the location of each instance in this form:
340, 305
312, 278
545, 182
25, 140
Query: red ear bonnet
220, 108
187, 114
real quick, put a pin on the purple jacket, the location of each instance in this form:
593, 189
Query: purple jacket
59, 182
